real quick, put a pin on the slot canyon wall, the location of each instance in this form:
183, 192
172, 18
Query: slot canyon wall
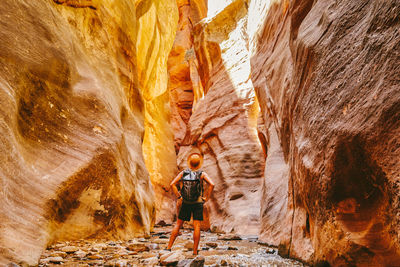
219, 117
295, 106
327, 77
184, 88
79, 82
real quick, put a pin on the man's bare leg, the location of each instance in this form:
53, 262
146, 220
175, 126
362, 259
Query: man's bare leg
175, 233
196, 236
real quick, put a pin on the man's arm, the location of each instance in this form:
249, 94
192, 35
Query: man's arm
210, 186
174, 182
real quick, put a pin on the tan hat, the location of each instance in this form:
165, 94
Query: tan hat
194, 161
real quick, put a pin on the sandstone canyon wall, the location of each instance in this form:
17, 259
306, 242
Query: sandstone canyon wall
327, 77
184, 89
223, 123
77, 81
86, 102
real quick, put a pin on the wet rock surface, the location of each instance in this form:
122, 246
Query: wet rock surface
213, 251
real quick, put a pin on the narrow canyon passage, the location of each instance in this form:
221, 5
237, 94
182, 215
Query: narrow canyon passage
294, 106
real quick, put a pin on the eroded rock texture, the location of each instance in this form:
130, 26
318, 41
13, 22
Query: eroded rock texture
327, 77
74, 89
223, 123
184, 86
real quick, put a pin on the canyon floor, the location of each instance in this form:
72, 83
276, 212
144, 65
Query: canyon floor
216, 249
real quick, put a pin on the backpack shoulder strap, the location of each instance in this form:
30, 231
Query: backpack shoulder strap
199, 173
187, 173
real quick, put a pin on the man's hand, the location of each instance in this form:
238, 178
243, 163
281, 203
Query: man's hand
204, 199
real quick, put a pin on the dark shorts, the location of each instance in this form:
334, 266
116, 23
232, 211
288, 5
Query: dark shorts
188, 209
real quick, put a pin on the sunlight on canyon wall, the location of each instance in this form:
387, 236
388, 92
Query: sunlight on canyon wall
223, 124
294, 105
156, 37
184, 86
78, 82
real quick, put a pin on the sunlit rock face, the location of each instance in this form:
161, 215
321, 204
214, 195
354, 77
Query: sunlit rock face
223, 124
184, 85
157, 34
74, 90
327, 78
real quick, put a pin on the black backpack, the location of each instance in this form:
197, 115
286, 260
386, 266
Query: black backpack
191, 185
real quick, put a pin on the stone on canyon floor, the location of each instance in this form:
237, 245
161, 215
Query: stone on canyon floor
69, 249
80, 254
153, 246
55, 259
150, 261
99, 247
213, 251
160, 241
94, 256
138, 247
230, 237
198, 261
171, 258
189, 245
271, 251
223, 262
58, 254
162, 223
212, 244
116, 263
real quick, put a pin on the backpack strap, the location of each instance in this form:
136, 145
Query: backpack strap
200, 173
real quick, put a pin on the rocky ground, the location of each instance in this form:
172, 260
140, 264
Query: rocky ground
216, 249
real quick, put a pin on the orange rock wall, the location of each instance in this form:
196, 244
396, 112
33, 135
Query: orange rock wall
184, 85
77, 84
326, 76
223, 123
89, 118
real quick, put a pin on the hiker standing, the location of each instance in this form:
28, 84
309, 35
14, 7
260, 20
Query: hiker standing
192, 196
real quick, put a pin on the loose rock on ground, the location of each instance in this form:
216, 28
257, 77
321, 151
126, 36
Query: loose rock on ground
215, 249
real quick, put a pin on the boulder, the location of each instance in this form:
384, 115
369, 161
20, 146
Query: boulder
171, 258
198, 261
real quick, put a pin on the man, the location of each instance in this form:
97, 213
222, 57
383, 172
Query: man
190, 179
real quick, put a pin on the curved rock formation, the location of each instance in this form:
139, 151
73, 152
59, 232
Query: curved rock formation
184, 85
86, 102
157, 33
223, 124
327, 77
76, 78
